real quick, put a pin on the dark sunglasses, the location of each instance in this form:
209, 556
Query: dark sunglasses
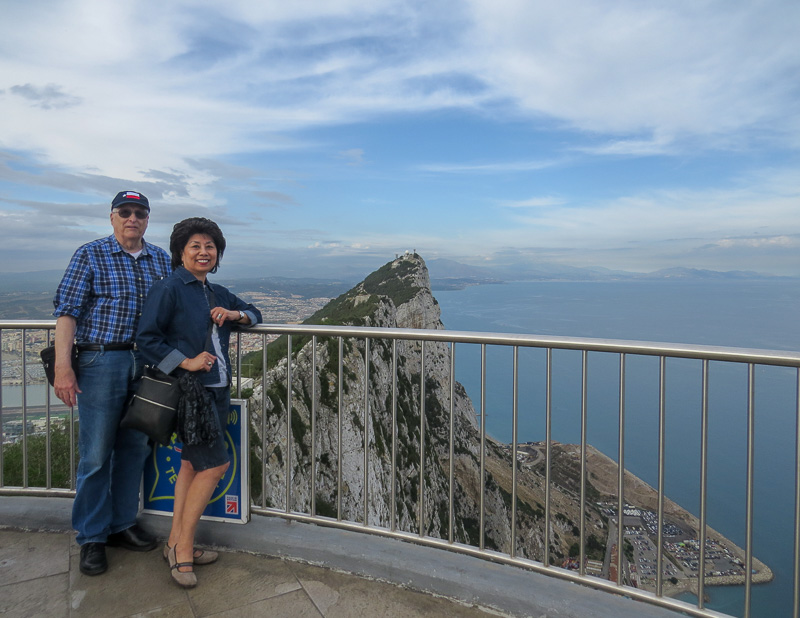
126, 212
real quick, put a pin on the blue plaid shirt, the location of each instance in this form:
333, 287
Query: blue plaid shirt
104, 289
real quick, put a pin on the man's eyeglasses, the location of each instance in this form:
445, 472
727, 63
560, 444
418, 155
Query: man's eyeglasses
127, 212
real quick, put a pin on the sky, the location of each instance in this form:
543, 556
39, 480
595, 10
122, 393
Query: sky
326, 137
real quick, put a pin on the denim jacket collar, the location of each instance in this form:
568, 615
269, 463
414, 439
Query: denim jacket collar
186, 277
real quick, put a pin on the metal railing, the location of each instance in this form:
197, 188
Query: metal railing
27, 364
622, 350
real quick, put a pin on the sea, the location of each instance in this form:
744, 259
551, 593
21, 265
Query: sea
759, 314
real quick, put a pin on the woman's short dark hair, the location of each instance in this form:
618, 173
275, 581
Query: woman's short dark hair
187, 228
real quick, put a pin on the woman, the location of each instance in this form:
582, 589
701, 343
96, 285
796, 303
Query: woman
185, 327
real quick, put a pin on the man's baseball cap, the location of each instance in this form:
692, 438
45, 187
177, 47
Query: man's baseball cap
130, 197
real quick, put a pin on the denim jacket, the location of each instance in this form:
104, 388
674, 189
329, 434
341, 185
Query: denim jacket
175, 321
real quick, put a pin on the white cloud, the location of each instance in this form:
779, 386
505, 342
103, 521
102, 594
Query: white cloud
674, 69
659, 144
758, 242
353, 156
501, 167
706, 216
50, 96
534, 202
162, 81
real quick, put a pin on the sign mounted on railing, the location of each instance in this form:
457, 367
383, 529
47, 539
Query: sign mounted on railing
230, 501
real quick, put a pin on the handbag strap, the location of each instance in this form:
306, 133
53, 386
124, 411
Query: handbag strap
212, 300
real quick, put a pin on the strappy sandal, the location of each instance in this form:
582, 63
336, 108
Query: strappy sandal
182, 578
206, 556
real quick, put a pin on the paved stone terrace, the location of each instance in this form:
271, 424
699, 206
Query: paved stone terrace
271, 567
39, 576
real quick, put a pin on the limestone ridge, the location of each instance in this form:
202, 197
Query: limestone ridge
398, 295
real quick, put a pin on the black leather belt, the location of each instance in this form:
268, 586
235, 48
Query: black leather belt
106, 347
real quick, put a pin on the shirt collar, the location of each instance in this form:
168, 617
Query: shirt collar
117, 248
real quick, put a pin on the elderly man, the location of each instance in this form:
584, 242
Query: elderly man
98, 304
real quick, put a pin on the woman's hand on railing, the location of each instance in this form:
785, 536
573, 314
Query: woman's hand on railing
202, 362
219, 315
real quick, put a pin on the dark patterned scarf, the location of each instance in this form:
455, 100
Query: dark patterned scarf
196, 422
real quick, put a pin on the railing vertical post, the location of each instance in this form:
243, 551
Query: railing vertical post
73, 478
662, 405
584, 406
514, 441
422, 441
701, 576
393, 506
796, 591
24, 412
313, 425
48, 444
748, 561
451, 473
339, 430
481, 543
289, 449
238, 364
621, 472
548, 453
366, 430
264, 357
2, 435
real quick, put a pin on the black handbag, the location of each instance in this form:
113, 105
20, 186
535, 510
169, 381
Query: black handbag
48, 356
153, 408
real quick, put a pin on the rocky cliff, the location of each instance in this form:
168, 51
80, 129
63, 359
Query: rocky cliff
397, 295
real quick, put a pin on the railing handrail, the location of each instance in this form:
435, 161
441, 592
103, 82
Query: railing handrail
624, 346
647, 348
33, 324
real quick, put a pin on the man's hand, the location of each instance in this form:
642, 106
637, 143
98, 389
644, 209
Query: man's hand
65, 382
66, 385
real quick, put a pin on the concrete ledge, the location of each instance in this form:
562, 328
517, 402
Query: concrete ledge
465, 578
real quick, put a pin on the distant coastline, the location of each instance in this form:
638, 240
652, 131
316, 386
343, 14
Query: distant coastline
451, 284
681, 547
459, 283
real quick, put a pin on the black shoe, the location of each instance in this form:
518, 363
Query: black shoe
93, 558
134, 538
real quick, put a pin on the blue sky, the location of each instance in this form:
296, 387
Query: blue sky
326, 137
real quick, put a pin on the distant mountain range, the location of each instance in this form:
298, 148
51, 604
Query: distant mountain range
448, 274
444, 273
37, 281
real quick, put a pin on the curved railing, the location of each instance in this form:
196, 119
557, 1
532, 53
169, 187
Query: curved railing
620, 351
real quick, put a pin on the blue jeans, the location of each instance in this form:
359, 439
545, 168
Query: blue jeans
111, 459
